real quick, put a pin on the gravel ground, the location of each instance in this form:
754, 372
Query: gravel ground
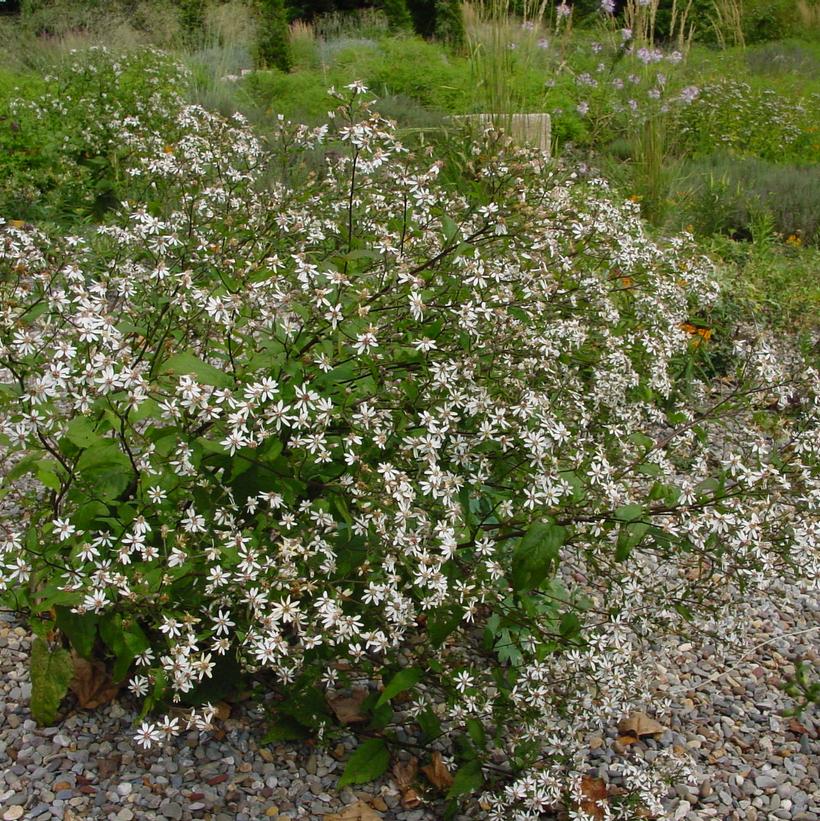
752, 763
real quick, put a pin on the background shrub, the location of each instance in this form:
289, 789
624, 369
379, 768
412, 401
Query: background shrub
62, 157
273, 44
725, 194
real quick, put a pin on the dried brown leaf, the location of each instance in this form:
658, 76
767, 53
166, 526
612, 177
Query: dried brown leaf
222, 711
405, 772
797, 728
437, 773
91, 683
360, 811
348, 708
626, 740
109, 765
594, 797
637, 725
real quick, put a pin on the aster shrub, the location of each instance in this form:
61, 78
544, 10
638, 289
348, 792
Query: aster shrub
62, 159
302, 416
733, 117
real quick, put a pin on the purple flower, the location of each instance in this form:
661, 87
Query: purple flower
608, 6
563, 10
689, 94
582, 108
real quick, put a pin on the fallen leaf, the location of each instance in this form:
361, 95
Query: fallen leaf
109, 764
594, 796
222, 711
797, 728
637, 725
91, 683
360, 811
437, 772
348, 709
404, 772
624, 741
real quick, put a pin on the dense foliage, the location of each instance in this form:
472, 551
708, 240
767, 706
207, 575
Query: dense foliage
300, 414
62, 150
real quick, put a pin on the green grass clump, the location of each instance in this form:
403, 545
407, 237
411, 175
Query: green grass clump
724, 195
774, 284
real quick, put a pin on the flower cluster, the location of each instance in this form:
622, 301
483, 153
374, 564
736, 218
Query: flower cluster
616, 84
292, 413
732, 116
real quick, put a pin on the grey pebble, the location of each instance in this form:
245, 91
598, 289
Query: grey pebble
171, 810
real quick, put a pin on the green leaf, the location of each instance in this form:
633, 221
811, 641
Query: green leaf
403, 680
475, 729
642, 440
380, 717
628, 513
468, 779
535, 554
449, 227
570, 625
649, 469
367, 763
80, 432
106, 468
80, 630
430, 724
351, 551
185, 363
507, 649
147, 409
629, 537
226, 678
89, 513
285, 728
25, 465
207, 445
125, 639
47, 476
441, 622
51, 673
307, 706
